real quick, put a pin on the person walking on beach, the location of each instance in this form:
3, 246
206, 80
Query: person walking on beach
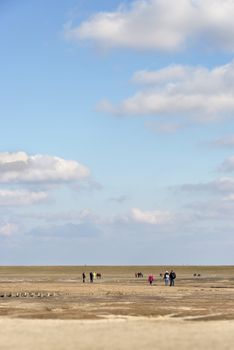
83, 277
91, 277
150, 279
166, 278
172, 277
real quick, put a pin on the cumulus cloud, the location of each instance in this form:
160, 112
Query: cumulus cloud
21, 197
20, 172
163, 25
19, 167
155, 217
196, 93
7, 229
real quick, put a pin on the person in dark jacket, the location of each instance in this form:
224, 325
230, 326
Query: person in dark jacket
172, 277
91, 277
83, 277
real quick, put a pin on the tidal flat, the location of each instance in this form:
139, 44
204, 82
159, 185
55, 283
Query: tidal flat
51, 308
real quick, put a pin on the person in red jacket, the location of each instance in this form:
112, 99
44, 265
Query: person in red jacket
151, 279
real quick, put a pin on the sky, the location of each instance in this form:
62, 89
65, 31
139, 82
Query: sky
117, 132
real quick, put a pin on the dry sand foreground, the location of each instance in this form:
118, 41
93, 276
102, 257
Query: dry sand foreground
115, 334
116, 312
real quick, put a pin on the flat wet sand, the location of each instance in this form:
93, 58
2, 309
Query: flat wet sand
59, 311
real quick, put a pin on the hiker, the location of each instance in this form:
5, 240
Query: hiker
166, 278
91, 277
150, 279
172, 277
83, 277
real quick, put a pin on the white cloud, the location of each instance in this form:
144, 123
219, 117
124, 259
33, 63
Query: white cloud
221, 185
155, 217
20, 167
7, 229
165, 25
133, 216
168, 74
21, 197
227, 165
184, 92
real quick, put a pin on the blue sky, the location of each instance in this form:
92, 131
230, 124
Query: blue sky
117, 132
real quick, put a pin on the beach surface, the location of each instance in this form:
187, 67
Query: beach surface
50, 308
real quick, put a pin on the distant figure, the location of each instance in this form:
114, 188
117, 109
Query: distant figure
91, 277
83, 277
99, 275
139, 275
150, 279
166, 278
172, 278
94, 275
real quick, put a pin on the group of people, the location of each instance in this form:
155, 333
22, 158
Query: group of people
169, 278
92, 275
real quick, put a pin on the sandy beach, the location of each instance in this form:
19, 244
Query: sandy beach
115, 334
50, 308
